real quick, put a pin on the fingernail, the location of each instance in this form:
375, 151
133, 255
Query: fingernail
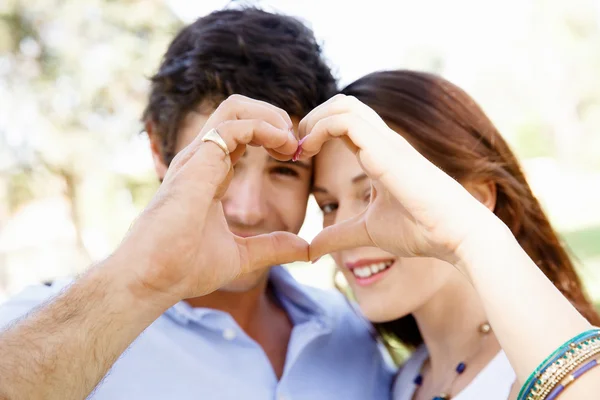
299, 150
297, 154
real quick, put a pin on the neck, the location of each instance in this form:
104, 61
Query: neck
246, 308
449, 324
259, 314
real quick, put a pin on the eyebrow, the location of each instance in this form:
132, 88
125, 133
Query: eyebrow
355, 180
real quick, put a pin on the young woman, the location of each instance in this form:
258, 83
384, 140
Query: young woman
446, 276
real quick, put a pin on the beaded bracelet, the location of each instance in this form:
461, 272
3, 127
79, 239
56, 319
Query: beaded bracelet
571, 378
565, 365
534, 382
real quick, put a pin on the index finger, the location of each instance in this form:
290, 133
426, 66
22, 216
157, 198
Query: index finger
306, 124
241, 107
350, 127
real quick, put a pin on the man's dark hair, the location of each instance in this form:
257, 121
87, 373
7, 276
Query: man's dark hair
265, 56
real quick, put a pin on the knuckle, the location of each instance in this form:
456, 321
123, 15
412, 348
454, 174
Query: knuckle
222, 127
246, 133
235, 98
259, 124
232, 101
351, 101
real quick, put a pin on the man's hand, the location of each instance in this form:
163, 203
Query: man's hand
182, 237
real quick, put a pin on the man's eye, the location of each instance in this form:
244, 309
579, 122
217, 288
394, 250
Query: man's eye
285, 171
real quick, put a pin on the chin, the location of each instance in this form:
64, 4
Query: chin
246, 282
379, 315
377, 309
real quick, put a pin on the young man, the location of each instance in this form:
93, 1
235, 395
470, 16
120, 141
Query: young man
262, 336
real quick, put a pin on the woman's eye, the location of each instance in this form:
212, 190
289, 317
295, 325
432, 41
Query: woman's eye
329, 208
285, 171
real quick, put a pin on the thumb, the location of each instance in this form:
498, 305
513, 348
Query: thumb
275, 248
344, 235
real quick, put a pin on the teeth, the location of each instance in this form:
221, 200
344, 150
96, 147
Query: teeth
367, 271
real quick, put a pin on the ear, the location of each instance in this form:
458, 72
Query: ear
485, 192
156, 147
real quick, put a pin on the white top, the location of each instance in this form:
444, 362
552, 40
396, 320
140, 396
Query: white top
492, 383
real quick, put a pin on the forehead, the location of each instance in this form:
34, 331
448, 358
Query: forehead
190, 127
335, 164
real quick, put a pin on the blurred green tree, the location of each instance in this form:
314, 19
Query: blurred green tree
73, 81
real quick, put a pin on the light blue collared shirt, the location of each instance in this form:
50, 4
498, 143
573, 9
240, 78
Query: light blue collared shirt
200, 353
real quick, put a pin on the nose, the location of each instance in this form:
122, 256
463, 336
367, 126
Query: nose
347, 210
244, 203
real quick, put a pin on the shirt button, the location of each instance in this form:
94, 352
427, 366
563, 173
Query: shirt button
229, 334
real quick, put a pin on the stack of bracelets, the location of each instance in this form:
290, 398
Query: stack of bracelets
565, 365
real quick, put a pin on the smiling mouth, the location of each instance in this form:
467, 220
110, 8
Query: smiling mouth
368, 270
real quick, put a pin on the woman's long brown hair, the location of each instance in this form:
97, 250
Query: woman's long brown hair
446, 125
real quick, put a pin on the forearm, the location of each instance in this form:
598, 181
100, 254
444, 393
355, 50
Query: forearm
64, 348
530, 317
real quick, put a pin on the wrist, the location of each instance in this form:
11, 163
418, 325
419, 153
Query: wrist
134, 275
491, 238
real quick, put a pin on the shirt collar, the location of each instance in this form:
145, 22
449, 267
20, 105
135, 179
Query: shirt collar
183, 313
288, 291
294, 295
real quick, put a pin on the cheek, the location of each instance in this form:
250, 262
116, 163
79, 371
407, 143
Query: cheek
289, 203
406, 288
337, 258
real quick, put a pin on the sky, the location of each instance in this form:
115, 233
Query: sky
360, 37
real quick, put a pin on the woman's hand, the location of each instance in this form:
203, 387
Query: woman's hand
415, 210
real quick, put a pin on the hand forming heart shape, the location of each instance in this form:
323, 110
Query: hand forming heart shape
182, 241
416, 209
